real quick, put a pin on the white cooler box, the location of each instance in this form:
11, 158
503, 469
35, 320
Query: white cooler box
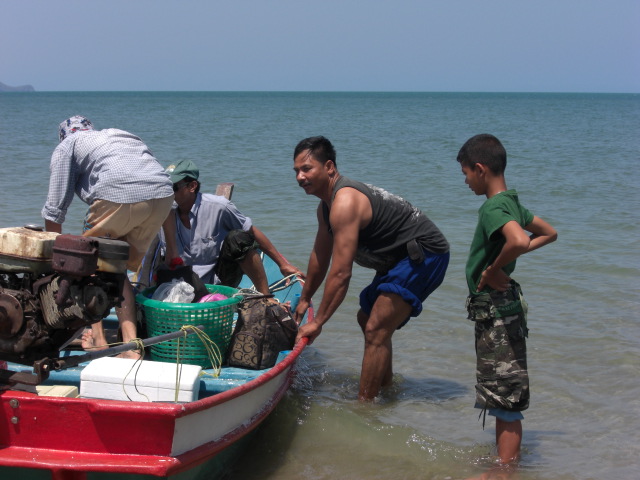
154, 381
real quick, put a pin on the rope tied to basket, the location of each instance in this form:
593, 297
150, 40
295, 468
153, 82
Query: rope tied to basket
212, 349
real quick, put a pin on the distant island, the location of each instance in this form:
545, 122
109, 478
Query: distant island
22, 88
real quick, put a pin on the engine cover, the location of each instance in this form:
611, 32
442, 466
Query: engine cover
75, 255
51, 285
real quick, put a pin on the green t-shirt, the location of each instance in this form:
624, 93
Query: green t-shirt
487, 240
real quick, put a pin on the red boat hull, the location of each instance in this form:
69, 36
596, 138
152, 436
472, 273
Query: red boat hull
72, 436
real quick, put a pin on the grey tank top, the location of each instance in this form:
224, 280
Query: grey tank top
394, 223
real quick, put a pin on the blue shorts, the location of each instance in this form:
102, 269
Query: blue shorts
413, 282
505, 415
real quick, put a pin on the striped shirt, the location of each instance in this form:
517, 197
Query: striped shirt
107, 164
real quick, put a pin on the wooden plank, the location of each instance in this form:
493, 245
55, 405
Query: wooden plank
57, 391
225, 190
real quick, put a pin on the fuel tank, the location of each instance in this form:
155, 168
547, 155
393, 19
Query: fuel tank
24, 249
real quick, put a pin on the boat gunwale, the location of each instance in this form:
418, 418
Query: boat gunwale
178, 409
147, 464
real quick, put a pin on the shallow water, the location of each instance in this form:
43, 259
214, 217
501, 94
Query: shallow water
572, 159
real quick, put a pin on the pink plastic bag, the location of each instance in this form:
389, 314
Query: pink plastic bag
213, 297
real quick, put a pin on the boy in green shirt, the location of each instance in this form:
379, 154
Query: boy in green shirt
495, 302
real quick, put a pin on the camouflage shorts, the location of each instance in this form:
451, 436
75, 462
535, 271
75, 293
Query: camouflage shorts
501, 353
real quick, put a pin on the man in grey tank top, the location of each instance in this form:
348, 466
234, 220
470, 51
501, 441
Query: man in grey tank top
378, 230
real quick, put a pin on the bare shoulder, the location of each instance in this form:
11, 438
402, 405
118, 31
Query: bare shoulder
349, 206
349, 196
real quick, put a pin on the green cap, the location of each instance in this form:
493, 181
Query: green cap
183, 169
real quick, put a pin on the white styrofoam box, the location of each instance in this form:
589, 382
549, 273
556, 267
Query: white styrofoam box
145, 381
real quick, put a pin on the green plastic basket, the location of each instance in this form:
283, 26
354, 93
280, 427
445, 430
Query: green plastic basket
166, 317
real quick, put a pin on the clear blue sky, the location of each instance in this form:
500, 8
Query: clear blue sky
322, 45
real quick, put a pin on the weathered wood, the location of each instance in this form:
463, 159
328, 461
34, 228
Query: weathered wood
225, 190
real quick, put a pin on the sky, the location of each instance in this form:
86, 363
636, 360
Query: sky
322, 45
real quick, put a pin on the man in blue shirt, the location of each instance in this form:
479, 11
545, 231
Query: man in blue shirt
214, 237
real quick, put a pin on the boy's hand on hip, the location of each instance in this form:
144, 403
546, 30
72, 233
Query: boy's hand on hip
495, 278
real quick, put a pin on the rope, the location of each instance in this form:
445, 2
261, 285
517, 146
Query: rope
179, 364
284, 282
138, 363
213, 352
278, 285
275, 286
246, 292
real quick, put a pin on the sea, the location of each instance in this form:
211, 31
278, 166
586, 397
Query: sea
571, 157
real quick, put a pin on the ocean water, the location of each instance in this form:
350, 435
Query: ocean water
573, 160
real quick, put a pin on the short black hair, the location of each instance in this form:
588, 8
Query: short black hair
188, 179
320, 148
485, 149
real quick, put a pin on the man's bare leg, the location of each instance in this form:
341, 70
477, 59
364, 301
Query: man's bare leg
252, 266
127, 318
388, 312
95, 339
363, 318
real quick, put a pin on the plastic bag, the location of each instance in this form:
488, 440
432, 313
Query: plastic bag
185, 273
213, 297
175, 291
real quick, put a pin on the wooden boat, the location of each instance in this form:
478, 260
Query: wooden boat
74, 437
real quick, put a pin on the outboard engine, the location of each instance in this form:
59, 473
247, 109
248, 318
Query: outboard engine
51, 285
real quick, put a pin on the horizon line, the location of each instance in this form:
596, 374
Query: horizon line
334, 91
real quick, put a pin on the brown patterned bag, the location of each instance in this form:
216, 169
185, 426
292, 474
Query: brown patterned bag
263, 329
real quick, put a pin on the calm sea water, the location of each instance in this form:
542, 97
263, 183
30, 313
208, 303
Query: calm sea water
573, 159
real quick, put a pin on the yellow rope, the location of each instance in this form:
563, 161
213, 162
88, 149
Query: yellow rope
213, 352
138, 363
178, 367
